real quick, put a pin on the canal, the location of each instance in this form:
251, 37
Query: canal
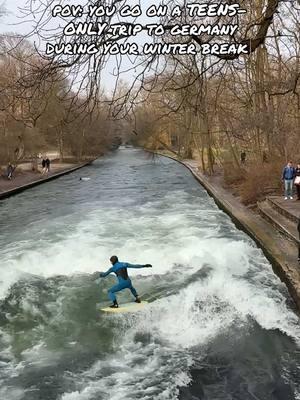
220, 325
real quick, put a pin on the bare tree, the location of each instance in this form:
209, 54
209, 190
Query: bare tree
85, 71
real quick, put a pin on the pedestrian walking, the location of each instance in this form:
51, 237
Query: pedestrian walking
43, 166
9, 171
47, 165
288, 175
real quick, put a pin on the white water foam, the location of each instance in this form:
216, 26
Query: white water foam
135, 371
236, 289
137, 237
164, 241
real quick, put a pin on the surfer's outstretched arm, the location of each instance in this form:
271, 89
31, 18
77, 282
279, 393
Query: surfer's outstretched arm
104, 274
138, 266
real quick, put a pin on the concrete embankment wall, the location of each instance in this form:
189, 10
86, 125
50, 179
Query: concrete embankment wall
19, 189
281, 252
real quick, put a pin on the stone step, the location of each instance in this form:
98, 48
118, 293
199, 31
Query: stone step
288, 208
284, 225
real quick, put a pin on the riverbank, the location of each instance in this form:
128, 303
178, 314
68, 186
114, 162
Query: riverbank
281, 252
25, 179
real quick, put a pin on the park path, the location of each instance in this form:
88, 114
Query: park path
25, 178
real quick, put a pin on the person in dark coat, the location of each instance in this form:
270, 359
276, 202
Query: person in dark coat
297, 181
299, 239
9, 172
44, 165
265, 157
47, 164
243, 157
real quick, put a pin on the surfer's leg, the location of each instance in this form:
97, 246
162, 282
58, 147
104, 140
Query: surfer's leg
134, 292
113, 290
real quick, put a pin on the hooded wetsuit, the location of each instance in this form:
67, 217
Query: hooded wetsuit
124, 282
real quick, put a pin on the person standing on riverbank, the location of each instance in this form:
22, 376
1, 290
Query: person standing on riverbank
299, 239
43, 166
288, 175
297, 181
47, 165
10, 170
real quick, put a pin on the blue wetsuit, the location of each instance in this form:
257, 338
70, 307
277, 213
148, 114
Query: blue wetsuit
124, 282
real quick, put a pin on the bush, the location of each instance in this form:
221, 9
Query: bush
261, 180
233, 175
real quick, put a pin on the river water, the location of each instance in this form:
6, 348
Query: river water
220, 324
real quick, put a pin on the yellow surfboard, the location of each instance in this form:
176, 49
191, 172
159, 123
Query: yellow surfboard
125, 308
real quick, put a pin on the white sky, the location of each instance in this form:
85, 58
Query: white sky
12, 23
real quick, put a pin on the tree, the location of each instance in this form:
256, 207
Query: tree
253, 33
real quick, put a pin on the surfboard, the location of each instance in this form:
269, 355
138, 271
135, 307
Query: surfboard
125, 308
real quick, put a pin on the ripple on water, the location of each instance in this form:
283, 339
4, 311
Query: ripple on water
220, 324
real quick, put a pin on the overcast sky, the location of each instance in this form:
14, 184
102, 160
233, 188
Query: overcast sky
10, 22
13, 23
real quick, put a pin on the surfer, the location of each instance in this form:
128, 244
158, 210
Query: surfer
124, 282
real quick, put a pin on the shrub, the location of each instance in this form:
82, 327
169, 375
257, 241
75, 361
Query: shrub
233, 175
261, 180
